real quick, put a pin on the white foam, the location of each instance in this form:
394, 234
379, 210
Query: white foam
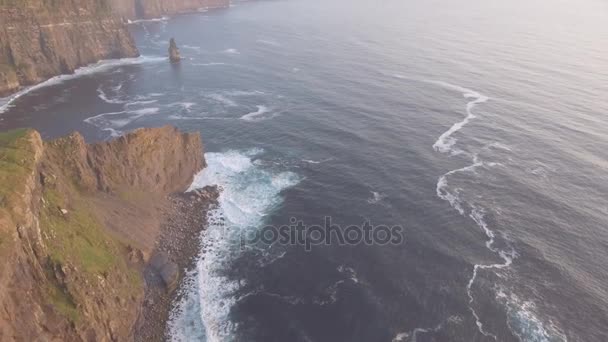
257, 115
113, 122
186, 106
101, 66
102, 95
232, 51
152, 20
191, 47
249, 194
144, 111
523, 320
446, 142
209, 64
268, 42
139, 103
310, 161
412, 336
222, 99
243, 92
376, 197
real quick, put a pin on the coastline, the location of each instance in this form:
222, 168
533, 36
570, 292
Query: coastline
81, 225
15, 82
176, 248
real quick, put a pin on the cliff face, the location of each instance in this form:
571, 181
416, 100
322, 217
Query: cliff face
44, 38
77, 225
147, 9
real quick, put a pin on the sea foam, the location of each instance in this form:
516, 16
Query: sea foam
101, 66
249, 194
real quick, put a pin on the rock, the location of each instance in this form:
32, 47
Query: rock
174, 56
63, 211
148, 9
167, 269
42, 39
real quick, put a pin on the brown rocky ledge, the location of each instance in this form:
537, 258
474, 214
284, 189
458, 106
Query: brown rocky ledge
41, 39
84, 228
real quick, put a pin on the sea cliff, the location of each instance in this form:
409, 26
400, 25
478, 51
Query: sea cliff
147, 9
79, 226
40, 39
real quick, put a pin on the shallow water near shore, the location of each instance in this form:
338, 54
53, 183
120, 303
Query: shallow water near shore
480, 127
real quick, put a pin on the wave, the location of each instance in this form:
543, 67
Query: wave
524, 322
186, 106
310, 161
446, 142
411, 336
112, 122
152, 20
209, 64
530, 327
243, 92
376, 197
106, 98
101, 66
191, 47
258, 115
249, 194
268, 42
222, 99
232, 51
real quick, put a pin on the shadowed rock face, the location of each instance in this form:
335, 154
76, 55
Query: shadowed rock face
77, 224
174, 56
160, 160
41, 39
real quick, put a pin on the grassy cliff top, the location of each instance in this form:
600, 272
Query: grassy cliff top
19, 151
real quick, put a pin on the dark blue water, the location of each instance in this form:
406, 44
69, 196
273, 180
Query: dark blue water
477, 126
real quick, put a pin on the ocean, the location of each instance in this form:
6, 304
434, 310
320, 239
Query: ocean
479, 127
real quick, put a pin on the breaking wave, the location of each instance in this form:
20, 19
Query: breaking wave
446, 143
101, 66
258, 115
249, 193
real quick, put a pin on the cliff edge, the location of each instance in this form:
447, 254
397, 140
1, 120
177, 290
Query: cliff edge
78, 224
40, 39
148, 9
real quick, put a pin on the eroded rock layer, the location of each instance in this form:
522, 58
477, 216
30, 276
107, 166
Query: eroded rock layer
147, 9
40, 39
78, 224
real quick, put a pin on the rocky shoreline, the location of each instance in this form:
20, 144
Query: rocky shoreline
176, 250
94, 238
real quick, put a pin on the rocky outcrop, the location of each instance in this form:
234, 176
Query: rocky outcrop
78, 223
174, 56
42, 38
147, 9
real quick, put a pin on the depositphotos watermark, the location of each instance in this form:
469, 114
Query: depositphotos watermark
299, 234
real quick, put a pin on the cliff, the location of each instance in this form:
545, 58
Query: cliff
44, 38
147, 9
78, 224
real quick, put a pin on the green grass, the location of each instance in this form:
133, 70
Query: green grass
78, 237
58, 296
16, 165
16, 161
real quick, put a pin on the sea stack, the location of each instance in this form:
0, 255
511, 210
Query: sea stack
174, 56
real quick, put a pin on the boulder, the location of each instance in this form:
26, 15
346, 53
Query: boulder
166, 269
174, 56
